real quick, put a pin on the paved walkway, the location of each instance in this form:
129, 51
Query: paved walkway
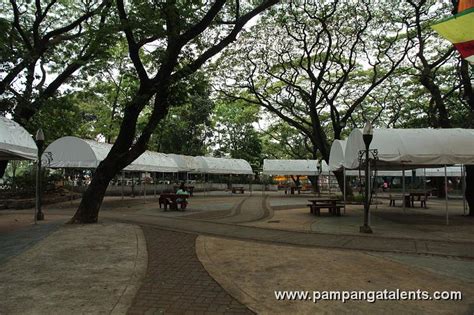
78, 269
176, 282
13, 243
311, 239
251, 209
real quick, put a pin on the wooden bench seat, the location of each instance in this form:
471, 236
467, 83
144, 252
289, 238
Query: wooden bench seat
239, 189
409, 200
332, 208
171, 200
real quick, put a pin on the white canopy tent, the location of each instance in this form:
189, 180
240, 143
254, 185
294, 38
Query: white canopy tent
212, 165
414, 148
154, 162
15, 142
290, 167
73, 152
336, 155
185, 163
451, 171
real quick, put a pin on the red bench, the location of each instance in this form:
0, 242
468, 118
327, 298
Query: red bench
171, 200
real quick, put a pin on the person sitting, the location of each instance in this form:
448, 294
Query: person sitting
182, 192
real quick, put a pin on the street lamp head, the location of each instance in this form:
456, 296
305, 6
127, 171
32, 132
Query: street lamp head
368, 130
367, 134
39, 135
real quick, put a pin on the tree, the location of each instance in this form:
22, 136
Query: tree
446, 78
234, 132
42, 44
281, 141
186, 35
187, 126
321, 64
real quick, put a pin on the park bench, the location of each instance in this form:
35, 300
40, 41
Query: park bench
410, 199
292, 190
333, 209
237, 188
171, 200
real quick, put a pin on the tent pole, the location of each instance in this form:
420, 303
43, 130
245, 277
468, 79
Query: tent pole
144, 187
121, 185
403, 185
463, 190
154, 185
446, 192
424, 180
329, 184
344, 192
368, 182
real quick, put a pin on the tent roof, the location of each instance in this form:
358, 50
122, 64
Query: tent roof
336, 156
185, 163
413, 148
153, 162
15, 142
290, 167
73, 152
451, 171
212, 165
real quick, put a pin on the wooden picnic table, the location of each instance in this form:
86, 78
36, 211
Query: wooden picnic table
332, 204
292, 190
237, 188
410, 198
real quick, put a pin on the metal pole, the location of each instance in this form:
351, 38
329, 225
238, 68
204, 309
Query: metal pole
39, 215
366, 228
369, 184
154, 184
121, 184
344, 192
463, 178
144, 187
403, 185
37, 189
446, 192
329, 184
424, 180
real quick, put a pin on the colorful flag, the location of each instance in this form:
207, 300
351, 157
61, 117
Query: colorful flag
459, 29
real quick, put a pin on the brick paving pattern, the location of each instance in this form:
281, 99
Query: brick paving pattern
176, 282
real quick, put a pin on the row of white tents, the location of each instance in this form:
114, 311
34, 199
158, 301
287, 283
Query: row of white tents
398, 149
72, 152
426, 150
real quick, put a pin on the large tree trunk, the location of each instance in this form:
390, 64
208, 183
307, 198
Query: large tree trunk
470, 188
3, 167
88, 211
314, 183
340, 180
427, 81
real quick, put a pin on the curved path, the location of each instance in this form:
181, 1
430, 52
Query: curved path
256, 208
176, 281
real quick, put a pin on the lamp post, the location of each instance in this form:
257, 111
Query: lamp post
367, 135
39, 215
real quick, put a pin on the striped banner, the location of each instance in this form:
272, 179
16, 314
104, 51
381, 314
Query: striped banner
459, 30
